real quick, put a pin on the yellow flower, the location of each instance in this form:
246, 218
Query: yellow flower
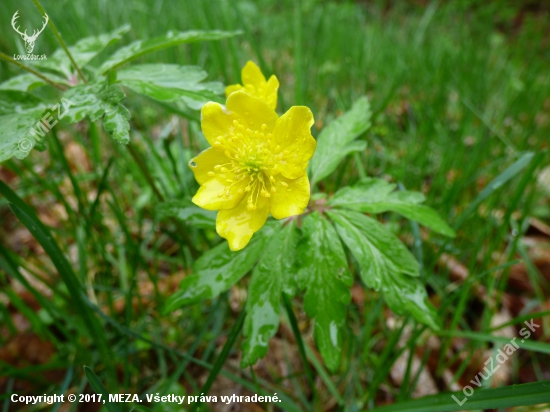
256, 165
255, 85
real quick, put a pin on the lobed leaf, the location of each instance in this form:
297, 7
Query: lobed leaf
385, 264
96, 101
28, 81
171, 82
142, 47
217, 270
336, 140
325, 275
116, 124
273, 274
377, 196
19, 114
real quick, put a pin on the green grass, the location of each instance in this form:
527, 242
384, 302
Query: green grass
459, 92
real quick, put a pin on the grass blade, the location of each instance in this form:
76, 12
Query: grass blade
99, 388
223, 356
299, 342
28, 217
495, 184
505, 397
534, 346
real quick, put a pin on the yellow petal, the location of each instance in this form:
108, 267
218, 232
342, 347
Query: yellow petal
205, 162
271, 89
237, 225
292, 132
251, 74
216, 122
232, 88
208, 196
291, 197
252, 111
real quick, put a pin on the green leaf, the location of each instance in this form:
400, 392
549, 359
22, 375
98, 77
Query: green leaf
112, 94
273, 274
217, 270
83, 52
99, 388
28, 81
85, 103
187, 213
116, 124
377, 196
406, 296
376, 249
324, 273
142, 47
336, 140
172, 83
19, 114
386, 265
494, 398
96, 101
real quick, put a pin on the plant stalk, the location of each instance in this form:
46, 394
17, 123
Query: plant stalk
60, 40
37, 74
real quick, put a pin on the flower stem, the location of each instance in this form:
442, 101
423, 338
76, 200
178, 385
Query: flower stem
37, 74
60, 40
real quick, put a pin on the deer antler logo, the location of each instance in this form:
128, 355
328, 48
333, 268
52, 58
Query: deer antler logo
29, 40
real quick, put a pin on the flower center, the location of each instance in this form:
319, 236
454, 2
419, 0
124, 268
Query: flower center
254, 160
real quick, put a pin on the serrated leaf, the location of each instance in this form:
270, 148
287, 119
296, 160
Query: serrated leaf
85, 103
96, 101
171, 82
385, 264
217, 270
325, 275
83, 52
378, 196
112, 94
377, 250
142, 47
19, 114
273, 274
186, 212
116, 124
27, 82
336, 140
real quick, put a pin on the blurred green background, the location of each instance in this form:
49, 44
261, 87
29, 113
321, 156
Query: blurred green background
459, 89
